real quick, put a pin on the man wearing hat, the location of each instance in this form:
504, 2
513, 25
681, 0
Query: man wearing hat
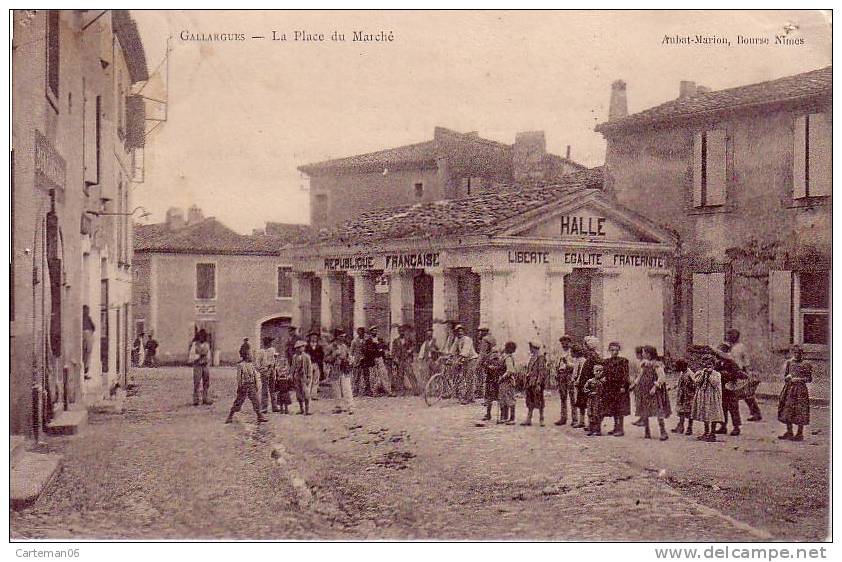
463, 349
482, 357
402, 356
361, 382
291, 339
301, 372
317, 356
564, 374
375, 350
534, 383
340, 374
265, 362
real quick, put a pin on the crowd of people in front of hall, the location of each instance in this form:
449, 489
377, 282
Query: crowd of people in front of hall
592, 388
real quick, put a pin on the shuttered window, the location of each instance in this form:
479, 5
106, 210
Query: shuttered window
205, 281
780, 309
710, 169
284, 282
53, 47
812, 156
91, 134
708, 308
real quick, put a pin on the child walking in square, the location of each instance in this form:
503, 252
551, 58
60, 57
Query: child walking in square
283, 382
684, 397
248, 381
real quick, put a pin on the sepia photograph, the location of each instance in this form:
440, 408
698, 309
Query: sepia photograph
420, 275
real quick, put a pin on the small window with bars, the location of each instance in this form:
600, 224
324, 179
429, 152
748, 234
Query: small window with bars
284, 282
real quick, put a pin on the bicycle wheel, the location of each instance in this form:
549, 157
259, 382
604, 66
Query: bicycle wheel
434, 389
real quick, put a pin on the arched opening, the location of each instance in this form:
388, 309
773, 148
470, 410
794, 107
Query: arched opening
276, 328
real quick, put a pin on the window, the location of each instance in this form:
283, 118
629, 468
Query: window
53, 56
799, 308
813, 327
811, 173
708, 308
284, 282
709, 168
419, 190
91, 131
205, 280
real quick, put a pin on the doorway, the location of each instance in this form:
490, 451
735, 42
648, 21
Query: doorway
577, 303
278, 330
423, 314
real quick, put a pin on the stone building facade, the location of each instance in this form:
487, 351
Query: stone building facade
451, 165
194, 273
528, 262
76, 127
742, 177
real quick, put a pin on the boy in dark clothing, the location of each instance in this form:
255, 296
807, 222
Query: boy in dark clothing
595, 390
248, 380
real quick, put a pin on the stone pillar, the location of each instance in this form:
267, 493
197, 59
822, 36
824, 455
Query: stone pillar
363, 297
301, 301
445, 302
402, 299
555, 303
658, 279
331, 311
608, 290
486, 296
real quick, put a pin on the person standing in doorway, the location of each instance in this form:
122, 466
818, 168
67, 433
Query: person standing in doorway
201, 375
151, 351
137, 346
563, 373
88, 329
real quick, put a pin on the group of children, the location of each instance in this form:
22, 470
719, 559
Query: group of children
596, 387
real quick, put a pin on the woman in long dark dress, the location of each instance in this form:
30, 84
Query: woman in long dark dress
794, 403
617, 403
652, 390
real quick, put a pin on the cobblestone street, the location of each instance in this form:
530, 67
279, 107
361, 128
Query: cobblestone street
397, 469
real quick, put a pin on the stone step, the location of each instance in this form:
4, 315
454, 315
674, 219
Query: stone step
30, 475
68, 423
17, 446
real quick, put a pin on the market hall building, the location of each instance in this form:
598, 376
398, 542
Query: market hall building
530, 262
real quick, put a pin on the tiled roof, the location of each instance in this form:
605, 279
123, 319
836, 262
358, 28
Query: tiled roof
291, 231
206, 237
482, 214
808, 84
419, 153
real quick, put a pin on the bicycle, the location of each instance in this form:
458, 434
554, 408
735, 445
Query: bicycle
446, 383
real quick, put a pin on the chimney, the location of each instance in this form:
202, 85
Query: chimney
194, 215
527, 154
618, 107
702, 90
175, 218
687, 89
568, 152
